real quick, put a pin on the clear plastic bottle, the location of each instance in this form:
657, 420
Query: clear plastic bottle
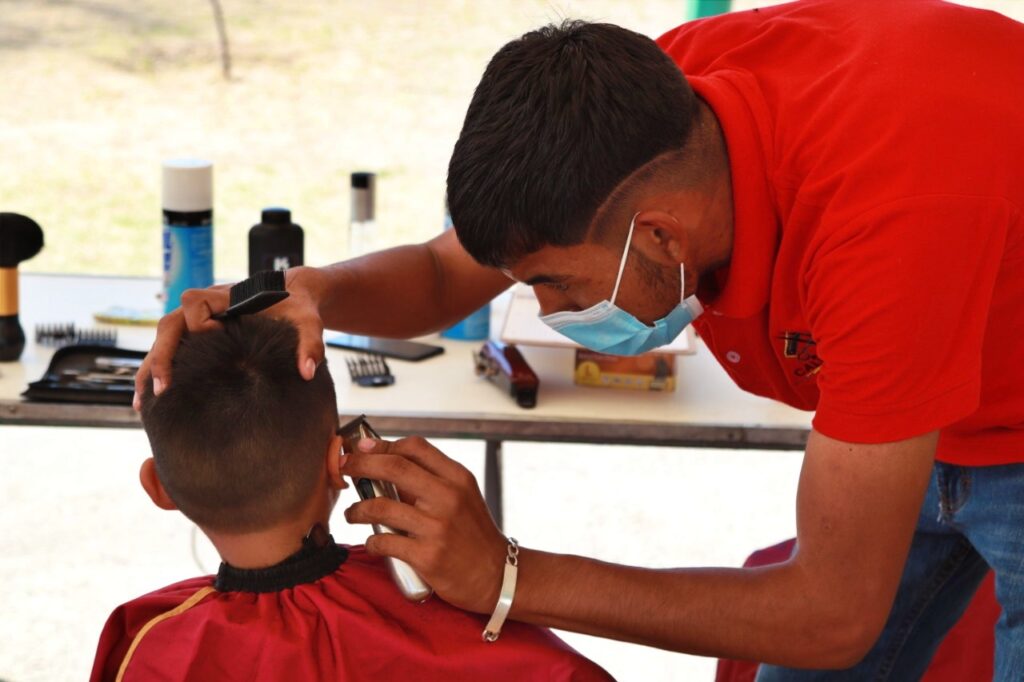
362, 236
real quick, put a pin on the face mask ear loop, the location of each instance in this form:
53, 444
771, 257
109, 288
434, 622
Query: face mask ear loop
625, 254
682, 283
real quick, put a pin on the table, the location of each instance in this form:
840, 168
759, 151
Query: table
439, 397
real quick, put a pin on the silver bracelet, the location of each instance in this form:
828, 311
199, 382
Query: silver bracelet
508, 592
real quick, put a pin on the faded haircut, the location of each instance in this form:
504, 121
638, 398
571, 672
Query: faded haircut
560, 117
239, 436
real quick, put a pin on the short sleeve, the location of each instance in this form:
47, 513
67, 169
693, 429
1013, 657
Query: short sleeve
897, 302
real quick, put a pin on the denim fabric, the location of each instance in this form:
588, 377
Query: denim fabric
972, 518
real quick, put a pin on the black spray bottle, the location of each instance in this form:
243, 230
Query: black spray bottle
275, 243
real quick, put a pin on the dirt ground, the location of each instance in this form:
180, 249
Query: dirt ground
95, 93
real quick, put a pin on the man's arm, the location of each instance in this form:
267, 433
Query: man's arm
857, 508
401, 292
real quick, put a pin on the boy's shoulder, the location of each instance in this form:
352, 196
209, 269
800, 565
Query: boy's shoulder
126, 621
348, 625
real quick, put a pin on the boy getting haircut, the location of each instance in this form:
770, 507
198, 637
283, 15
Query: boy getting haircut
248, 450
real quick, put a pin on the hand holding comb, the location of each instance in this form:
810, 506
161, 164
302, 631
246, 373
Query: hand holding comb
255, 294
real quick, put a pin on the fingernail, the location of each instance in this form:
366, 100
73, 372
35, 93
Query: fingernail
158, 386
135, 401
310, 368
366, 444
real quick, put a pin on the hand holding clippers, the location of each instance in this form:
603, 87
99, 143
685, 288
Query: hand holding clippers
409, 583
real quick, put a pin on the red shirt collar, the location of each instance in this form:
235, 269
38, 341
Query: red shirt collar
744, 284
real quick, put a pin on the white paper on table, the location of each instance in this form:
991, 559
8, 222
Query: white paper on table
523, 327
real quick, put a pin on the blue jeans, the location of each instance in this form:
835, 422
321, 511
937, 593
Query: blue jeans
972, 519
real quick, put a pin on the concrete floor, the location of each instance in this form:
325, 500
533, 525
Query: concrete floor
79, 536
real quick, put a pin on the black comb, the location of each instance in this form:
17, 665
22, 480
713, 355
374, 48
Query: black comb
370, 370
63, 334
255, 294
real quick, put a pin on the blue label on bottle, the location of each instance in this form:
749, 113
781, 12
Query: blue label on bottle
188, 261
476, 327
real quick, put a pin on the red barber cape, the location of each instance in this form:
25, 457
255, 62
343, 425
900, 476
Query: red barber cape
347, 623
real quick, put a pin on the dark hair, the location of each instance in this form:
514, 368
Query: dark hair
239, 436
560, 117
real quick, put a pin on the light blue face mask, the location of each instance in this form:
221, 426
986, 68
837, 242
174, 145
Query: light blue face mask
607, 328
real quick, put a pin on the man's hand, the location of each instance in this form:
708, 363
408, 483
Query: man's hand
197, 309
856, 512
452, 540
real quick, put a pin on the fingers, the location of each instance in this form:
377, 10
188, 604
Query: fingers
199, 305
390, 544
452, 540
158, 361
423, 453
394, 515
407, 475
311, 344
197, 308
304, 311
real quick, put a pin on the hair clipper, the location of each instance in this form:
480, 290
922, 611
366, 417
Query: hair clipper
409, 583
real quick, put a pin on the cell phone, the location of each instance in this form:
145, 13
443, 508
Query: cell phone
408, 581
389, 348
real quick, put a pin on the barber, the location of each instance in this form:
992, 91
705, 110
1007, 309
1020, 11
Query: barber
834, 200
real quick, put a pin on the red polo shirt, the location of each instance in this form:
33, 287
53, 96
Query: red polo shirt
877, 273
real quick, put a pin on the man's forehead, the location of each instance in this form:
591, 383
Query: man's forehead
548, 264
558, 263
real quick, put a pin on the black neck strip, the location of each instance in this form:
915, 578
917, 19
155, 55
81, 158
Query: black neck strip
309, 564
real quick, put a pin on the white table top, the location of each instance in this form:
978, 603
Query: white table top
437, 397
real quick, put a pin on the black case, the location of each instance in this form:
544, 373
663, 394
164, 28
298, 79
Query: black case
52, 388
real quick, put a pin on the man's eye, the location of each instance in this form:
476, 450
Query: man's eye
557, 286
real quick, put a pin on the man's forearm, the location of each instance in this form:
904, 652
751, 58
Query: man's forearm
769, 614
402, 292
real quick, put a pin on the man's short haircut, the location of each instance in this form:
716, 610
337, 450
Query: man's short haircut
561, 116
239, 436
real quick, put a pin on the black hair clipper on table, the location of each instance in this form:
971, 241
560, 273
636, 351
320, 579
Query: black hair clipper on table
255, 294
409, 582
504, 366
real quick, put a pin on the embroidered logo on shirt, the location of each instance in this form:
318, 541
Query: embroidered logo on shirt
800, 346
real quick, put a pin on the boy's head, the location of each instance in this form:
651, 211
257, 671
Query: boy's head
239, 438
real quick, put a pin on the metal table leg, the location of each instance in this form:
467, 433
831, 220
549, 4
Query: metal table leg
492, 481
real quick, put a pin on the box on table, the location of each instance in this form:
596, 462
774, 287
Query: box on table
647, 372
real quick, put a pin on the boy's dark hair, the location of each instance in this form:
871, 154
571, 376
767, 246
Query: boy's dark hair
561, 116
239, 436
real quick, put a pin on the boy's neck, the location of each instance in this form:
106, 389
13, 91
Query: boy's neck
265, 548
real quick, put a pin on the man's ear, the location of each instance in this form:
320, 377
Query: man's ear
153, 487
660, 237
334, 453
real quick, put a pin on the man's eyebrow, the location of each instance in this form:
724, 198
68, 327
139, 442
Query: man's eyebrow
545, 279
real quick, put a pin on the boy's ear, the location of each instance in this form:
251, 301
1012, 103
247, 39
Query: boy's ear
334, 453
153, 487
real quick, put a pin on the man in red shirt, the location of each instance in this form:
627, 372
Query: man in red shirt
833, 191
248, 450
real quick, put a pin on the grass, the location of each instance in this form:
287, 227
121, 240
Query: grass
97, 92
